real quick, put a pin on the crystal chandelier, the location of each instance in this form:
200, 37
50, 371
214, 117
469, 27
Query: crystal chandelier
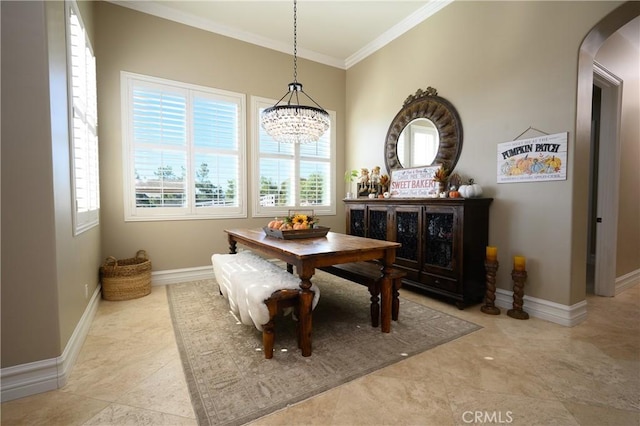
292, 122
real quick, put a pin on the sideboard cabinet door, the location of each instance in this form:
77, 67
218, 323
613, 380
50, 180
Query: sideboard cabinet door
356, 220
377, 227
407, 230
442, 240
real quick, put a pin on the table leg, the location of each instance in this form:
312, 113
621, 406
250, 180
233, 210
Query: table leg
305, 313
386, 291
232, 244
374, 290
386, 295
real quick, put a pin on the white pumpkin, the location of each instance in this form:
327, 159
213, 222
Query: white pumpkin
471, 190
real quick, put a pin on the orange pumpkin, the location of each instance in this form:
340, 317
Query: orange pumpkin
275, 224
454, 194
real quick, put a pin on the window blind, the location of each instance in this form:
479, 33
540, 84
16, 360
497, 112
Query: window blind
184, 150
84, 125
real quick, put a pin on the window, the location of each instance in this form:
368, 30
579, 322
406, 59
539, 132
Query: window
418, 143
183, 150
292, 176
83, 124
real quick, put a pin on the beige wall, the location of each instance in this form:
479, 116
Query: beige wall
44, 268
622, 58
77, 257
135, 42
505, 66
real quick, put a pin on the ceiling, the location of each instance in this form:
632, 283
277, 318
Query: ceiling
336, 33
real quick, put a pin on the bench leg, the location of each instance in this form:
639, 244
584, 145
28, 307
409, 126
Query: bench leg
268, 337
395, 308
374, 290
268, 329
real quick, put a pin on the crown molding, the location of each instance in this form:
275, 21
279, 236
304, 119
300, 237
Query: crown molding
161, 11
397, 30
165, 12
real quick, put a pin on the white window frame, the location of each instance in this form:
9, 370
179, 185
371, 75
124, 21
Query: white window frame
85, 185
190, 212
258, 103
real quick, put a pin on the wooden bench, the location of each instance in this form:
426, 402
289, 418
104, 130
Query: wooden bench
277, 303
369, 275
246, 280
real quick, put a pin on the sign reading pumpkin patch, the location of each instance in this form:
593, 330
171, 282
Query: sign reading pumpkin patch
533, 160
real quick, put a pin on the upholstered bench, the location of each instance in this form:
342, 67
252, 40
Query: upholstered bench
258, 291
369, 275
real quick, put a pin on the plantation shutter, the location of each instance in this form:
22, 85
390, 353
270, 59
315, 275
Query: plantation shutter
216, 162
84, 129
159, 119
184, 150
315, 173
277, 167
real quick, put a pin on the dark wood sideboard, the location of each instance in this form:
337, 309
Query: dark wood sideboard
443, 241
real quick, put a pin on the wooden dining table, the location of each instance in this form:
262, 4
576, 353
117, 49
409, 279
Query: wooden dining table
310, 253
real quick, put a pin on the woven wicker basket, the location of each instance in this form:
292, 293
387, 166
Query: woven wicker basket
126, 279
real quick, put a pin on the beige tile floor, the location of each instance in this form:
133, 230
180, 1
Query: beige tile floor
511, 372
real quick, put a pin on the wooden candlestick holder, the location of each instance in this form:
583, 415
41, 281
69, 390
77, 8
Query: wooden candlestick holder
519, 278
489, 307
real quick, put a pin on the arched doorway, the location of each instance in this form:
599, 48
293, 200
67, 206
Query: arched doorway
590, 46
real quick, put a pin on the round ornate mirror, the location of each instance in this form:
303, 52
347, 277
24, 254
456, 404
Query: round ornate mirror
426, 131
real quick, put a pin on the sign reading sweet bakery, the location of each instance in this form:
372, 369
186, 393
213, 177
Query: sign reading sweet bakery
533, 160
414, 183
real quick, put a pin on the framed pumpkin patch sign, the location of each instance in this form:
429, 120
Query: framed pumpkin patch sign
533, 160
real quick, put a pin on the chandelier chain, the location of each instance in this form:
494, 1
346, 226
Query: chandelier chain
295, 42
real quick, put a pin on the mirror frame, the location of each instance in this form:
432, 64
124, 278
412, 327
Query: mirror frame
426, 104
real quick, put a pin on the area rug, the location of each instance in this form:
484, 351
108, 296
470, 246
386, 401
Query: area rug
230, 381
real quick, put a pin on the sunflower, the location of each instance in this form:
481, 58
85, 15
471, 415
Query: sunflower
300, 218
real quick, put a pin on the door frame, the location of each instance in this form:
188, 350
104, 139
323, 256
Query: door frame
608, 180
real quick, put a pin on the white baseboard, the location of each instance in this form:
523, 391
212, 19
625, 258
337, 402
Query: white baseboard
627, 281
173, 276
48, 374
544, 309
